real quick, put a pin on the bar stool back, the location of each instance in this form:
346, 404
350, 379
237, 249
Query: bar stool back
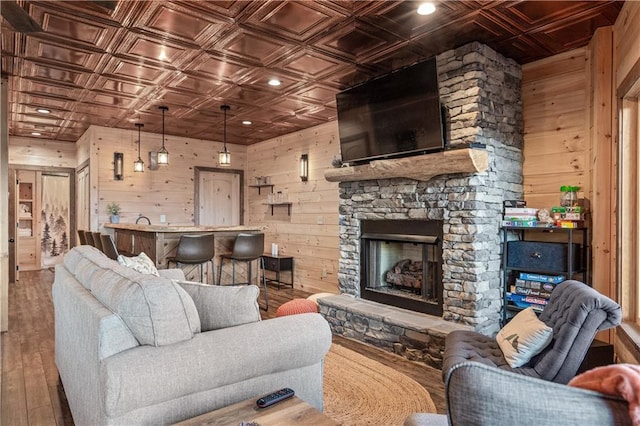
246, 248
195, 250
97, 242
109, 247
81, 237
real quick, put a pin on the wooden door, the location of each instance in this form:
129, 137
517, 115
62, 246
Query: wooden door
218, 197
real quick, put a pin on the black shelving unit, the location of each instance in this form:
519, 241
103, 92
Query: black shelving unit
570, 272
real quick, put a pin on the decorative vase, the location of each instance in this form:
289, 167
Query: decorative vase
115, 218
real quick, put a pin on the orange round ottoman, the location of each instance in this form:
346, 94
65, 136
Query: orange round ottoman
296, 306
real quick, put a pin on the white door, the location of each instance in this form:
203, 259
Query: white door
55, 220
218, 198
82, 199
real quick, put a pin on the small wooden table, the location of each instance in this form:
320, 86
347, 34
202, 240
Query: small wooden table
292, 411
277, 264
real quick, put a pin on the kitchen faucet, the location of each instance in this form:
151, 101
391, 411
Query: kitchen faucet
143, 217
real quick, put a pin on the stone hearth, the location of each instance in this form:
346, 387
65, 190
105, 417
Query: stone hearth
480, 90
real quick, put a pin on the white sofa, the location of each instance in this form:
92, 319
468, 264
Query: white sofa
140, 349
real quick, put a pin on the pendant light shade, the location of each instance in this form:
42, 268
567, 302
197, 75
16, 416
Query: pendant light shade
224, 156
163, 154
138, 165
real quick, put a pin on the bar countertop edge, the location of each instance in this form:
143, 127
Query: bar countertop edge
181, 228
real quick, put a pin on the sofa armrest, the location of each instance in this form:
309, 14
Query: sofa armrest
211, 360
172, 274
483, 395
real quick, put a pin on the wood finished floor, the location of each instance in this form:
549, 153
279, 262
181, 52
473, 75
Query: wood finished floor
32, 394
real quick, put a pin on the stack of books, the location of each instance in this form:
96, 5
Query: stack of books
520, 216
533, 290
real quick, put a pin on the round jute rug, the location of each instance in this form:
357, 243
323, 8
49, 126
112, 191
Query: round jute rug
360, 391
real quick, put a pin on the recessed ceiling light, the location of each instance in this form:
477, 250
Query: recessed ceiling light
36, 133
247, 122
43, 111
274, 82
426, 9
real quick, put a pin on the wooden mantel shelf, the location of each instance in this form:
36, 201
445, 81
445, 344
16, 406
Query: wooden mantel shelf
420, 167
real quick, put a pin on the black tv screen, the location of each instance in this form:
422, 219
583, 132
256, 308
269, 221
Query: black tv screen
395, 115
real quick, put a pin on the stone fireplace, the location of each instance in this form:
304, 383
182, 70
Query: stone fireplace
480, 90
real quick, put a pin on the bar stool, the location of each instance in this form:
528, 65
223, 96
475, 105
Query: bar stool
97, 242
109, 247
246, 248
195, 250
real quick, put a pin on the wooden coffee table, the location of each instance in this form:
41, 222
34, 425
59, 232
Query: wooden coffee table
292, 411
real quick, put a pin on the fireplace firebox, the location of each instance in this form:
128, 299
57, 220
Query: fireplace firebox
402, 263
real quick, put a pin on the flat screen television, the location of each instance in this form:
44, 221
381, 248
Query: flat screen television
395, 115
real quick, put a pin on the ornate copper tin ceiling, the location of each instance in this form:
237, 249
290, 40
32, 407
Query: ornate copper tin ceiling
93, 65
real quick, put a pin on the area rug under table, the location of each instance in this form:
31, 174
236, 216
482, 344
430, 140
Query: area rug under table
360, 391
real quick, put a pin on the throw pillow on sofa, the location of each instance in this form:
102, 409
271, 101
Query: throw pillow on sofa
524, 337
157, 311
223, 306
140, 263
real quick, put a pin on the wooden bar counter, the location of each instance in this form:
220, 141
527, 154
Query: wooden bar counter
160, 241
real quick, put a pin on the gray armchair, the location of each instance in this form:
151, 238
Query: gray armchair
575, 312
479, 395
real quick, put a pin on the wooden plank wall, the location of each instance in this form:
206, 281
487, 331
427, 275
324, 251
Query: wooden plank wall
555, 102
39, 152
167, 191
310, 233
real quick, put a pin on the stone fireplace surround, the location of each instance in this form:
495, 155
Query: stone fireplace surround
480, 90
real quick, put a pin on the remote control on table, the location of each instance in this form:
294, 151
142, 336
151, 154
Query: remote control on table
272, 398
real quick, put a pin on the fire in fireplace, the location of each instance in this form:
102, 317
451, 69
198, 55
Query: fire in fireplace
402, 263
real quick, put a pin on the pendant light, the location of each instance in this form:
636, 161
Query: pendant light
224, 156
138, 165
163, 154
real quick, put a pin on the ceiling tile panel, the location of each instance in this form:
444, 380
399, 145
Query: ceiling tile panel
134, 72
48, 102
79, 30
62, 55
45, 89
191, 83
296, 21
55, 74
253, 48
118, 86
212, 65
92, 65
308, 63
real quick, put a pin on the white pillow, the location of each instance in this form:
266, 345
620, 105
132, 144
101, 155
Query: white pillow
524, 337
141, 263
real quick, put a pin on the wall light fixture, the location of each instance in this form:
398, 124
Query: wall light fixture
304, 167
118, 166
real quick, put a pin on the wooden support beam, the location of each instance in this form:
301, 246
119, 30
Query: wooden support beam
420, 167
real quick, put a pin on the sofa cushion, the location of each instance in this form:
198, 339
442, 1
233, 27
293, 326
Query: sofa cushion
140, 263
523, 337
157, 311
223, 306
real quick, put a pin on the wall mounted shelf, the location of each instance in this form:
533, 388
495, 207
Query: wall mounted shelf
264, 185
280, 204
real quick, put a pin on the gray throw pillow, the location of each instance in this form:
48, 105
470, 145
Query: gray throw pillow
223, 306
157, 311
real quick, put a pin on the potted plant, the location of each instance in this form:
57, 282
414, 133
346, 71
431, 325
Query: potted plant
114, 210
